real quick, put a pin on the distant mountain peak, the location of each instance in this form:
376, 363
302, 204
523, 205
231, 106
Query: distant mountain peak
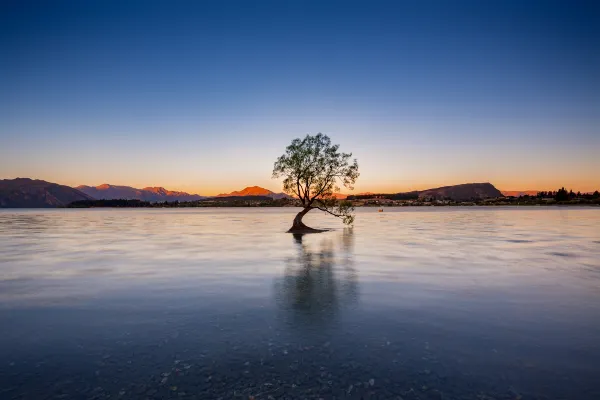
254, 191
156, 189
107, 191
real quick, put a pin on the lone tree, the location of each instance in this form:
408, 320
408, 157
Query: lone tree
312, 168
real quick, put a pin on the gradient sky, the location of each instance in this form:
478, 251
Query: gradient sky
203, 96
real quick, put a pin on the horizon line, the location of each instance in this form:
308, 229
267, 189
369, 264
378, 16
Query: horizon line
347, 192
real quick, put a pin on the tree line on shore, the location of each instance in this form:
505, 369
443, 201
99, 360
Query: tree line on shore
563, 195
251, 201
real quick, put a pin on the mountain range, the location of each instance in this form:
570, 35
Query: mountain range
152, 194
25, 192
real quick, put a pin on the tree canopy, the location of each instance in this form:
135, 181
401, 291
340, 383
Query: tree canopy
313, 169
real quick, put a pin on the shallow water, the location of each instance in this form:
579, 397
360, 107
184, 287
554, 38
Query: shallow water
419, 303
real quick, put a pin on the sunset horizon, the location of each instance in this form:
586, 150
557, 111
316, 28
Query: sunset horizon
275, 187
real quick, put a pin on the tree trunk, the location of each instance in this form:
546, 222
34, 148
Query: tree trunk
298, 226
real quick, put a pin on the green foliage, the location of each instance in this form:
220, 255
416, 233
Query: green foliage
312, 169
346, 209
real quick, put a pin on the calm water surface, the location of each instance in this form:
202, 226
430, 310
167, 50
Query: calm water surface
421, 303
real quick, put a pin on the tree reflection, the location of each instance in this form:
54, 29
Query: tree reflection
318, 283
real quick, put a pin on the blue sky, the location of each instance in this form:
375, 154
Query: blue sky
203, 96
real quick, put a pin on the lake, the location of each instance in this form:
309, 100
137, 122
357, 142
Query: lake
411, 303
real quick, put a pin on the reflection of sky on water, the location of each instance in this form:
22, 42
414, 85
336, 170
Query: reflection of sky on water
317, 285
499, 301
49, 254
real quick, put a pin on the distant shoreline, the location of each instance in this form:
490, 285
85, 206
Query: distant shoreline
280, 203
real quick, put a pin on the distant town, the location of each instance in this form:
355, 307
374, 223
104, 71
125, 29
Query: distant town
543, 198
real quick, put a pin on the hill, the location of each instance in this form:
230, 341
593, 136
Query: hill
34, 193
152, 194
254, 191
464, 192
